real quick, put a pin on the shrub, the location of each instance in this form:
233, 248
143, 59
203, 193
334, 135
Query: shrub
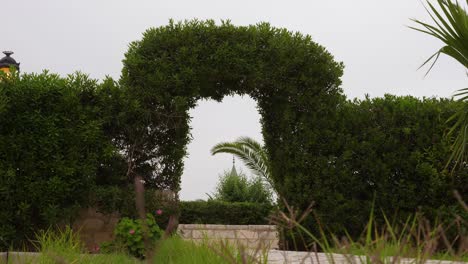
129, 235
219, 212
235, 187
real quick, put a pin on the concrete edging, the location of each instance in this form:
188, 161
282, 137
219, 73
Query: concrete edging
14, 257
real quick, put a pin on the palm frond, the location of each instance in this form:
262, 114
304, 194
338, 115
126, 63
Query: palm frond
462, 95
451, 27
252, 154
459, 131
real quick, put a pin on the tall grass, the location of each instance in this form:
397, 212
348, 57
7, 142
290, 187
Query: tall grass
176, 250
415, 240
65, 247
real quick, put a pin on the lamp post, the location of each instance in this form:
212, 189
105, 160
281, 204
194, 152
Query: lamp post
7, 62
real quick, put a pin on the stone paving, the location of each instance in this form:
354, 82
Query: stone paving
294, 257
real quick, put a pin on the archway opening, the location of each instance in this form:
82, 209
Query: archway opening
214, 122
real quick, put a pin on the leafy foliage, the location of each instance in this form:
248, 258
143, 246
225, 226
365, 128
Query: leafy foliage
225, 213
392, 151
122, 199
293, 79
117, 199
235, 187
52, 143
67, 143
129, 234
451, 27
251, 153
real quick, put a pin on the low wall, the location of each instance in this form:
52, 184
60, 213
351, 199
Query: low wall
250, 236
95, 227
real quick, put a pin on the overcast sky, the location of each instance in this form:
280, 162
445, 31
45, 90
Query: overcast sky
380, 53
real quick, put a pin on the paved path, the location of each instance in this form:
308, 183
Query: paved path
295, 257
287, 257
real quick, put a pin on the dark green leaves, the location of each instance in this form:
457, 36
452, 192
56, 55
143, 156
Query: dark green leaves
293, 79
52, 144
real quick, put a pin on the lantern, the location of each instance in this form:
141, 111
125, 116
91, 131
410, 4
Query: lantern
7, 62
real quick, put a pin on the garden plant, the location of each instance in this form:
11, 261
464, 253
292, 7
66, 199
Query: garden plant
252, 153
234, 186
451, 27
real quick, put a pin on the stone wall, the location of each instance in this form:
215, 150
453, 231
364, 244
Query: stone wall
250, 236
95, 227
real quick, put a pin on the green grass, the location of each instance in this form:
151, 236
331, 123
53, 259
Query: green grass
65, 247
175, 250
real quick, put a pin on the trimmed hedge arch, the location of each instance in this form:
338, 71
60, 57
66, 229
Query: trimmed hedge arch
294, 81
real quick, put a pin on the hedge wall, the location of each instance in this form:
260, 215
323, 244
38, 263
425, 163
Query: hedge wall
63, 146
390, 151
110, 199
60, 142
218, 212
52, 145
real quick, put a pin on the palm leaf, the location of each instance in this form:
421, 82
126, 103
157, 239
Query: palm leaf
451, 27
251, 153
460, 132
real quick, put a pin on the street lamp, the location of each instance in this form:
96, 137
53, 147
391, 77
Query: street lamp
7, 62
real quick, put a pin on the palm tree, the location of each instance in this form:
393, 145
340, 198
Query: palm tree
451, 27
251, 152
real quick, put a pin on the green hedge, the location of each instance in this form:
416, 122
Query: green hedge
389, 151
218, 212
52, 142
121, 199
110, 199
294, 80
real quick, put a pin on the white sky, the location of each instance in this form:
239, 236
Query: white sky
380, 53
